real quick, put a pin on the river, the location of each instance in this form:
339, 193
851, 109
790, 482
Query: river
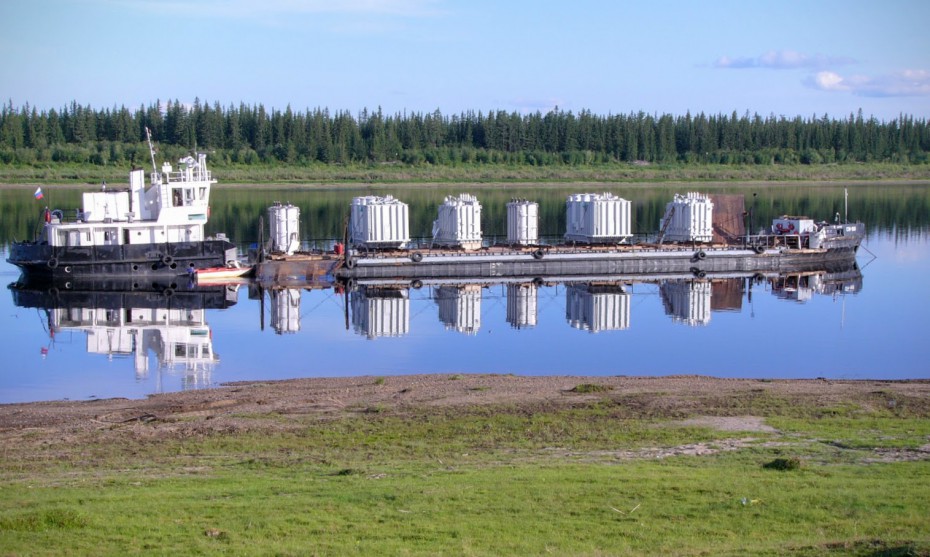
866, 322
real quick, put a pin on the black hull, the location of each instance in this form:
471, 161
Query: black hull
125, 261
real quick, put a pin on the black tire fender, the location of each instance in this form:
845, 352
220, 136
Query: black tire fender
538, 254
350, 263
759, 249
700, 254
416, 284
52, 263
416, 257
168, 292
167, 259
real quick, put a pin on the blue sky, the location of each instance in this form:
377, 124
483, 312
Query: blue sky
785, 58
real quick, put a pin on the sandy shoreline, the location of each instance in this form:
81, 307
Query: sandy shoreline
333, 397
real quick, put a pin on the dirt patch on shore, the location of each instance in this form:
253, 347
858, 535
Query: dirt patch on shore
726, 404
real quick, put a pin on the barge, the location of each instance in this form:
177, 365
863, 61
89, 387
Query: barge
598, 242
137, 232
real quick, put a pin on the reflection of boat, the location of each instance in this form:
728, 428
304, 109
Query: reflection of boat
121, 321
134, 232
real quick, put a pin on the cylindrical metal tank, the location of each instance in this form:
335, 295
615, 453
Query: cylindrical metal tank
523, 222
379, 222
594, 218
459, 222
285, 310
284, 222
688, 218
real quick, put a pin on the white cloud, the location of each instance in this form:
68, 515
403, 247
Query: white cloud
906, 83
783, 60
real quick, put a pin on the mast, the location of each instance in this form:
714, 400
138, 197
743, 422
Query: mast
845, 205
148, 136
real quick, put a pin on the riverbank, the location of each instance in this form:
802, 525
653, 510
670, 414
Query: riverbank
394, 174
475, 465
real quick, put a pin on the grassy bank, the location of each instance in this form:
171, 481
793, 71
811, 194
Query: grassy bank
397, 173
600, 472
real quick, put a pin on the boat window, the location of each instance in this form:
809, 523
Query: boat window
203, 193
176, 197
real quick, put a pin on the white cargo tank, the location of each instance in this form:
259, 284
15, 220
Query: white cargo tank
379, 222
522, 222
594, 218
688, 218
459, 307
459, 223
284, 222
687, 302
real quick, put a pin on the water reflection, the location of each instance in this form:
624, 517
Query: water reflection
133, 321
164, 327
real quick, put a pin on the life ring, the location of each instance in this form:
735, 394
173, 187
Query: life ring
700, 254
416, 284
538, 254
52, 263
167, 259
58, 214
416, 257
759, 249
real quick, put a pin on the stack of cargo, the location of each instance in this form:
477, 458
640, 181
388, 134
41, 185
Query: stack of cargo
284, 222
687, 301
379, 222
459, 307
597, 218
459, 223
522, 222
688, 218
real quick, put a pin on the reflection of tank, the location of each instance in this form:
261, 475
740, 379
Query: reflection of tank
687, 301
285, 310
459, 307
597, 307
522, 305
381, 312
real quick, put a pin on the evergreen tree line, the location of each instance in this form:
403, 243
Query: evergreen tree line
253, 135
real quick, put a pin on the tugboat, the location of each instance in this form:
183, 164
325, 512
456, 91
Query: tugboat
141, 232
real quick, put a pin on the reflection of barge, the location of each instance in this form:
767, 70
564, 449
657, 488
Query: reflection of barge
599, 242
154, 231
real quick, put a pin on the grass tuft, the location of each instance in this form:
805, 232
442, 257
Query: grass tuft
792, 463
591, 388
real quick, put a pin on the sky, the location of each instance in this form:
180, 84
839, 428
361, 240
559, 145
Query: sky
788, 58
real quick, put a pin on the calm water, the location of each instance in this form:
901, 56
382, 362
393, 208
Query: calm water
868, 324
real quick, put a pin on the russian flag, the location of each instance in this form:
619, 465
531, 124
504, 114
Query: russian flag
39, 194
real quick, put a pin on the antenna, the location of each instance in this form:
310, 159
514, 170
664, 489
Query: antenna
846, 205
148, 135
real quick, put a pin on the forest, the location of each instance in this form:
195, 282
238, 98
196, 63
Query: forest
254, 135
